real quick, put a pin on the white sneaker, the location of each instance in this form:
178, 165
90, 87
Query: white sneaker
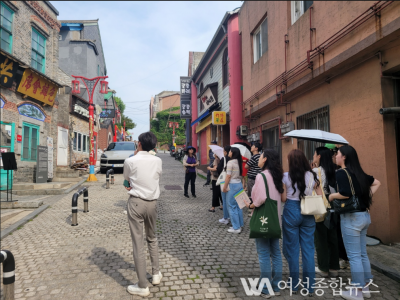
136, 290
224, 221
157, 278
352, 294
322, 273
344, 264
231, 230
366, 292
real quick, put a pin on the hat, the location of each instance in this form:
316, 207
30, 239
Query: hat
190, 147
214, 142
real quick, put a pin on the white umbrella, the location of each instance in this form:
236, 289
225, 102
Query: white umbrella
219, 151
317, 136
243, 150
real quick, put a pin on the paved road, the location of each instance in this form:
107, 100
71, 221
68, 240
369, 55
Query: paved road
199, 259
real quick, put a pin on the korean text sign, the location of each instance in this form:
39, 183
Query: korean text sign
37, 87
186, 97
218, 118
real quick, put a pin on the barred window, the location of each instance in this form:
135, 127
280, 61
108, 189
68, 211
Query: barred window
271, 140
317, 119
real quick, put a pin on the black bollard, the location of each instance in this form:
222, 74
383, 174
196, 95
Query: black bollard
111, 171
75, 197
7, 259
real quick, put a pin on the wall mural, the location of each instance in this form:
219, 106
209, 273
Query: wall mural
31, 111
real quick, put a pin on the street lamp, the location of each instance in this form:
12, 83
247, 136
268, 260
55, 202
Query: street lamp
90, 85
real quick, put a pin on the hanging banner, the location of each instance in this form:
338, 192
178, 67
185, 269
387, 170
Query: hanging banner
107, 114
8, 70
37, 87
186, 97
50, 157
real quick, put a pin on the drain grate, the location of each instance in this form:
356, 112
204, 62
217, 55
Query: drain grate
173, 188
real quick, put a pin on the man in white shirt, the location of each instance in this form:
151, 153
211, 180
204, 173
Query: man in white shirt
143, 171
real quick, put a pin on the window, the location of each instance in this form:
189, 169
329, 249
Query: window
225, 68
317, 119
75, 140
38, 58
84, 148
30, 141
271, 140
88, 144
81, 142
260, 41
98, 70
299, 8
6, 20
201, 102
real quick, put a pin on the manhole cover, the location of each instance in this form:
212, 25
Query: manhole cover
172, 187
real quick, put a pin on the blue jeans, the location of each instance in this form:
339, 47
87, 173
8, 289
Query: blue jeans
267, 248
354, 231
225, 205
298, 230
235, 212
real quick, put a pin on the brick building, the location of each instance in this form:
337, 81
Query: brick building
157, 104
308, 63
30, 81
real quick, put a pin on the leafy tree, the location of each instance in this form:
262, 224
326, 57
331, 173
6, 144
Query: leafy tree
129, 124
161, 129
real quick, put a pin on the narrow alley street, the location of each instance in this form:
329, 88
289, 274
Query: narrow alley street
198, 257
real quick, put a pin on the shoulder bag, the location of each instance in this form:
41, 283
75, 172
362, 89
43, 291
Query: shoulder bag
314, 204
222, 176
321, 218
264, 222
351, 204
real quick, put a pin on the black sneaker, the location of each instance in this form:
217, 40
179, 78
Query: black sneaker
186, 195
194, 196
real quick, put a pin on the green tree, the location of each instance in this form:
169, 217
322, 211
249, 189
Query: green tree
129, 124
161, 129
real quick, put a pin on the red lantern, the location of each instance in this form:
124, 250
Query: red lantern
76, 87
104, 87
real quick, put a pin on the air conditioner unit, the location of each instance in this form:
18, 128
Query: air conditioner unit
287, 127
243, 130
256, 137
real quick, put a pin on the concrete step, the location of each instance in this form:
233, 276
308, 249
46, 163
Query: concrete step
40, 186
23, 204
15, 218
67, 174
9, 214
40, 192
63, 179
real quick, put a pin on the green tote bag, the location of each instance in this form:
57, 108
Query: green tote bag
265, 220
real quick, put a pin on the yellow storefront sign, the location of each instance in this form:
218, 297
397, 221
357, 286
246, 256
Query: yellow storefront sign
207, 121
219, 118
37, 87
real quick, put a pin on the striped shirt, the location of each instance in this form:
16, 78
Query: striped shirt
254, 169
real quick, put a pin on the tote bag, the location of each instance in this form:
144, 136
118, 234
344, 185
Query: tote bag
264, 222
222, 176
314, 204
321, 218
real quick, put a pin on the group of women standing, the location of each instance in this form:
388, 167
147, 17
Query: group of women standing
301, 231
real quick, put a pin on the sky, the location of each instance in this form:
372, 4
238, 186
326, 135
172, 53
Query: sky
146, 44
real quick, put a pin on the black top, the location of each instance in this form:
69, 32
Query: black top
220, 166
343, 185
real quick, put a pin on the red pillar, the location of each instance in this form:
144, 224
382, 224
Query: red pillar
115, 131
194, 114
235, 76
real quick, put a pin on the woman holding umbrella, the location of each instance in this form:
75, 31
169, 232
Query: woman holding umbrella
190, 163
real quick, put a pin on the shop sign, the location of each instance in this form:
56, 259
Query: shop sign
31, 111
2, 103
8, 70
287, 127
42, 164
218, 118
80, 110
208, 99
19, 138
37, 87
186, 97
107, 114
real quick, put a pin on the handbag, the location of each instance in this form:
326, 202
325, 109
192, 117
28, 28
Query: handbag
321, 218
314, 204
222, 176
330, 219
347, 205
264, 222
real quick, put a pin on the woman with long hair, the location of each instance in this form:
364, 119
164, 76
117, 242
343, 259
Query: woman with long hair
326, 241
223, 162
350, 179
298, 230
216, 190
269, 249
190, 163
234, 182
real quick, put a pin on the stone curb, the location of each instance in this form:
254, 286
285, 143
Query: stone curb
67, 191
23, 221
385, 270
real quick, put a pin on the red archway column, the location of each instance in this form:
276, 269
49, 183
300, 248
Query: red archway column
194, 114
235, 76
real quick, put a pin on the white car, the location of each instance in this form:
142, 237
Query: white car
115, 154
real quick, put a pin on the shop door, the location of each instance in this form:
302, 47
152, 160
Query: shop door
6, 145
62, 147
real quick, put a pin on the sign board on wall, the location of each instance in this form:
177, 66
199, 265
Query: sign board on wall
8, 70
218, 118
50, 157
107, 114
37, 87
19, 138
42, 164
186, 97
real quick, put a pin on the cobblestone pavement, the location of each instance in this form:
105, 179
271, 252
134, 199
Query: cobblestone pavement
198, 258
